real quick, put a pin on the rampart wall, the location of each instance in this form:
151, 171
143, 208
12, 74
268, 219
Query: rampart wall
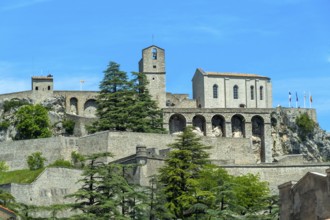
15, 153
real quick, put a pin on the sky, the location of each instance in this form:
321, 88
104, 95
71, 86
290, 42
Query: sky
74, 40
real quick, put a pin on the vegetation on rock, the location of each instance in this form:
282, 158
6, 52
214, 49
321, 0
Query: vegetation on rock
32, 122
305, 125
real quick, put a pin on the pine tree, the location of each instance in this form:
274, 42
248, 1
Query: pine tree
180, 175
144, 114
114, 100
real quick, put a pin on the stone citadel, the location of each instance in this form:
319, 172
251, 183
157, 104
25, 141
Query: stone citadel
231, 111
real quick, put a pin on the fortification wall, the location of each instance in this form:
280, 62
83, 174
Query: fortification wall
19, 95
276, 174
15, 153
123, 144
49, 188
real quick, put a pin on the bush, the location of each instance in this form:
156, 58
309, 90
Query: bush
68, 125
77, 159
305, 125
61, 163
4, 125
32, 122
3, 166
13, 103
36, 161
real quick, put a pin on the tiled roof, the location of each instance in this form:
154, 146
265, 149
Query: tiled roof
42, 77
6, 209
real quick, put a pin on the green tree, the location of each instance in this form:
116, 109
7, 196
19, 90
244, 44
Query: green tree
180, 175
32, 122
145, 116
106, 194
305, 125
36, 161
114, 100
126, 105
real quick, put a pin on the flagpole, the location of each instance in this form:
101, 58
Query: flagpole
304, 99
289, 99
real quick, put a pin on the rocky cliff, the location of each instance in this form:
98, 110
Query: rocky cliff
56, 113
287, 138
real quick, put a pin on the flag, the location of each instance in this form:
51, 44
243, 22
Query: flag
289, 96
310, 98
296, 97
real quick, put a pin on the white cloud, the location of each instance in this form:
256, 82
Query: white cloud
22, 4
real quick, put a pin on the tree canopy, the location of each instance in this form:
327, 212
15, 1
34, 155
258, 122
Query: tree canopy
126, 105
32, 122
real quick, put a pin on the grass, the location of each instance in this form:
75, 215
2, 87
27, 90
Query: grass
19, 176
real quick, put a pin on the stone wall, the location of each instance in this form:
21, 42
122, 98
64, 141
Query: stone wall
15, 153
277, 173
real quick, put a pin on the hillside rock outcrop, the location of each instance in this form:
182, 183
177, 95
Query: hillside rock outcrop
314, 147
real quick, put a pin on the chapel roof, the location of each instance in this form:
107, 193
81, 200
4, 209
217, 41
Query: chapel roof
230, 74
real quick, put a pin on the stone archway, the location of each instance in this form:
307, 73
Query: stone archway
177, 123
74, 106
90, 108
199, 124
258, 137
218, 126
238, 126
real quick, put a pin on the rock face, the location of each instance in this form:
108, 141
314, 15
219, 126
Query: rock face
56, 113
315, 147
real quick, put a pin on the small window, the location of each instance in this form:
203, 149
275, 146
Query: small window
252, 92
154, 54
154, 66
261, 93
48, 87
37, 88
215, 91
235, 92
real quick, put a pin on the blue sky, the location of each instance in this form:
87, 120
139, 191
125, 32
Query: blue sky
286, 40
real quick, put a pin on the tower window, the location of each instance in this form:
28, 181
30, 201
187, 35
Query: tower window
215, 91
154, 66
261, 93
37, 88
252, 92
48, 87
154, 54
235, 92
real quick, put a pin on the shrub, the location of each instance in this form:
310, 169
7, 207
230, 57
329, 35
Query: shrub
61, 163
68, 125
3, 166
77, 159
32, 122
305, 125
4, 125
13, 103
36, 161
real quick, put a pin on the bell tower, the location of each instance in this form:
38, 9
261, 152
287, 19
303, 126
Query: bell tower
153, 65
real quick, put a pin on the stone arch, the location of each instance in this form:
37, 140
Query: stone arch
177, 123
74, 106
90, 108
218, 126
199, 124
238, 126
258, 136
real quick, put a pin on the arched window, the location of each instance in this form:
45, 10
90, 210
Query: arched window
235, 92
154, 54
252, 92
215, 91
261, 93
